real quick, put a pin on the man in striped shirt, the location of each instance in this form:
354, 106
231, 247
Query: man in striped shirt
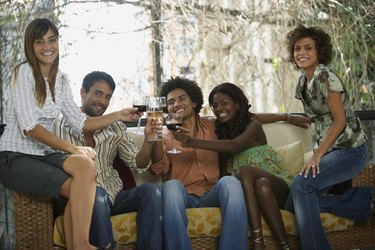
111, 199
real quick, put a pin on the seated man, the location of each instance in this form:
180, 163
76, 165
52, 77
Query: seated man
111, 199
192, 177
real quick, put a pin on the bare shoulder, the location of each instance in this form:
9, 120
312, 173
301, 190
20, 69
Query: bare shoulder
254, 126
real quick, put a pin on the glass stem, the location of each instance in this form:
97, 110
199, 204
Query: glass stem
139, 125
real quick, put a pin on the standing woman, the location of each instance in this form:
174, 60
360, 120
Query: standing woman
29, 162
340, 150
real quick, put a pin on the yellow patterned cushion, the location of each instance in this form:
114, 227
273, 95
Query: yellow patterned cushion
203, 222
124, 227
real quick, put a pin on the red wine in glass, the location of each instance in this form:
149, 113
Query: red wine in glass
141, 108
173, 125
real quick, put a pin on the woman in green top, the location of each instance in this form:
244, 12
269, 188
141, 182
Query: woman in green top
244, 152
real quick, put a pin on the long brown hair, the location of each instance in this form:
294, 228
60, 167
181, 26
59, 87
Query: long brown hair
36, 30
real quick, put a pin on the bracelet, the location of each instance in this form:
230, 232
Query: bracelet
286, 117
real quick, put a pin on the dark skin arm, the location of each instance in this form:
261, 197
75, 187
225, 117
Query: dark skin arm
252, 136
297, 120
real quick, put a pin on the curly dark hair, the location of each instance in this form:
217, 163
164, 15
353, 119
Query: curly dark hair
321, 38
243, 117
191, 88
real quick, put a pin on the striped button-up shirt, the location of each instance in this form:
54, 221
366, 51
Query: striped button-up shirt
109, 142
23, 113
197, 169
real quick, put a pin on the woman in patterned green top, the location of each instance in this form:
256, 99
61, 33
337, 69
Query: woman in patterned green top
244, 152
340, 150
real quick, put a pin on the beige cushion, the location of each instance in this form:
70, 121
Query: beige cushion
291, 156
282, 133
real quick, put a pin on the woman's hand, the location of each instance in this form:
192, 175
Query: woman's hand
182, 135
313, 164
299, 120
87, 151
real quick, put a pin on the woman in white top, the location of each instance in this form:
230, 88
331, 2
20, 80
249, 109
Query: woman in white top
29, 161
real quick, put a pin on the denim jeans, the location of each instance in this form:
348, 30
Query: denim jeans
227, 194
101, 234
146, 200
308, 199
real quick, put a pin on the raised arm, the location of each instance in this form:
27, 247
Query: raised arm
251, 137
298, 120
98, 122
150, 150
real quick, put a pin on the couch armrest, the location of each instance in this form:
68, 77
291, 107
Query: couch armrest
33, 221
366, 177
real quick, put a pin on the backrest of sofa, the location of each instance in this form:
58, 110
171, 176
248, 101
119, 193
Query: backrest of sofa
282, 133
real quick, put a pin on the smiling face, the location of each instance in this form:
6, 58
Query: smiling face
178, 101
95, 102
46, 49
306, 55
224, 108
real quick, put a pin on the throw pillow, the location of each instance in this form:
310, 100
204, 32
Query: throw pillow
291, 156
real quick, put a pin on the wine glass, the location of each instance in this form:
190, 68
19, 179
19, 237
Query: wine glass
140, 103
172, 121
154, 108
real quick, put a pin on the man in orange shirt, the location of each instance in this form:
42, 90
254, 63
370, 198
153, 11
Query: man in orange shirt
192, 177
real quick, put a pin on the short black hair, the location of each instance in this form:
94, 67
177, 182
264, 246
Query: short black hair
96, 76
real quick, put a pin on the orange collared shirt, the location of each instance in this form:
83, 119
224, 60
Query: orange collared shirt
197, 169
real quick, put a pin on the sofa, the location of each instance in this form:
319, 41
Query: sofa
36, 227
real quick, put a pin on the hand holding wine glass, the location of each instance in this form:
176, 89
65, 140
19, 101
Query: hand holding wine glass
173, 121
154, 108
140, 103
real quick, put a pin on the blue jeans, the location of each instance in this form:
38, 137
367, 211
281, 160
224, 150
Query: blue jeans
101, 234
145, 199
307, 195
227, 194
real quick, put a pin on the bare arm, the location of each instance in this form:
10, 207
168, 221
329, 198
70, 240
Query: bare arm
42, 135
149, 150
252, 136
298, 120
94, 123
336, 108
